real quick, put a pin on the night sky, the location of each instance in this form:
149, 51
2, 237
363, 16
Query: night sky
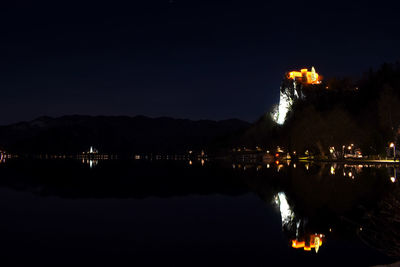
179, 58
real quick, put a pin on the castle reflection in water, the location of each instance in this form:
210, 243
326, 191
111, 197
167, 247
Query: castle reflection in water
319, 201
304, 232
303, 237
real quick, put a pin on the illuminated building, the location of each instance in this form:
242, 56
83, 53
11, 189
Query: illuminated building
291, 89
92, 150
304, 76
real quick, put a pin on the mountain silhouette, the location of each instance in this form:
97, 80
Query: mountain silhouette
114, 134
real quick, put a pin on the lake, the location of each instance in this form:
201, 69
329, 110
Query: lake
172, 213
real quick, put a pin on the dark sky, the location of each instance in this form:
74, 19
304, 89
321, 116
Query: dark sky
179, 58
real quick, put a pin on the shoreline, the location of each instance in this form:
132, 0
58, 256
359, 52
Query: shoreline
354, 161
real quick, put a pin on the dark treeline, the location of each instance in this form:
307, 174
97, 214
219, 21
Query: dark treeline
339, 111
121, 135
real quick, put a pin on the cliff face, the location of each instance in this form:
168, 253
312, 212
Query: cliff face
72, 134
290, 90
293, 86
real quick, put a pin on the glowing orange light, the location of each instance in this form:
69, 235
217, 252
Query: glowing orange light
305, 76
298, 244
315, 241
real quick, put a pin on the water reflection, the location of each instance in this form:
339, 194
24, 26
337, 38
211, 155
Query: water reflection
296, 227
393, 172
381, 229
287, 214
307, 243
91, 162
4, 155
316, 202
359, 201
351, 171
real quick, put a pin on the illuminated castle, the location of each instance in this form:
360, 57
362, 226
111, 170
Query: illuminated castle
304, 76
291, 89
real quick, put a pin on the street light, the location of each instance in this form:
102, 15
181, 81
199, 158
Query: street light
394, 150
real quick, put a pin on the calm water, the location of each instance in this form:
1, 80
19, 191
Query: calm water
119, 213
